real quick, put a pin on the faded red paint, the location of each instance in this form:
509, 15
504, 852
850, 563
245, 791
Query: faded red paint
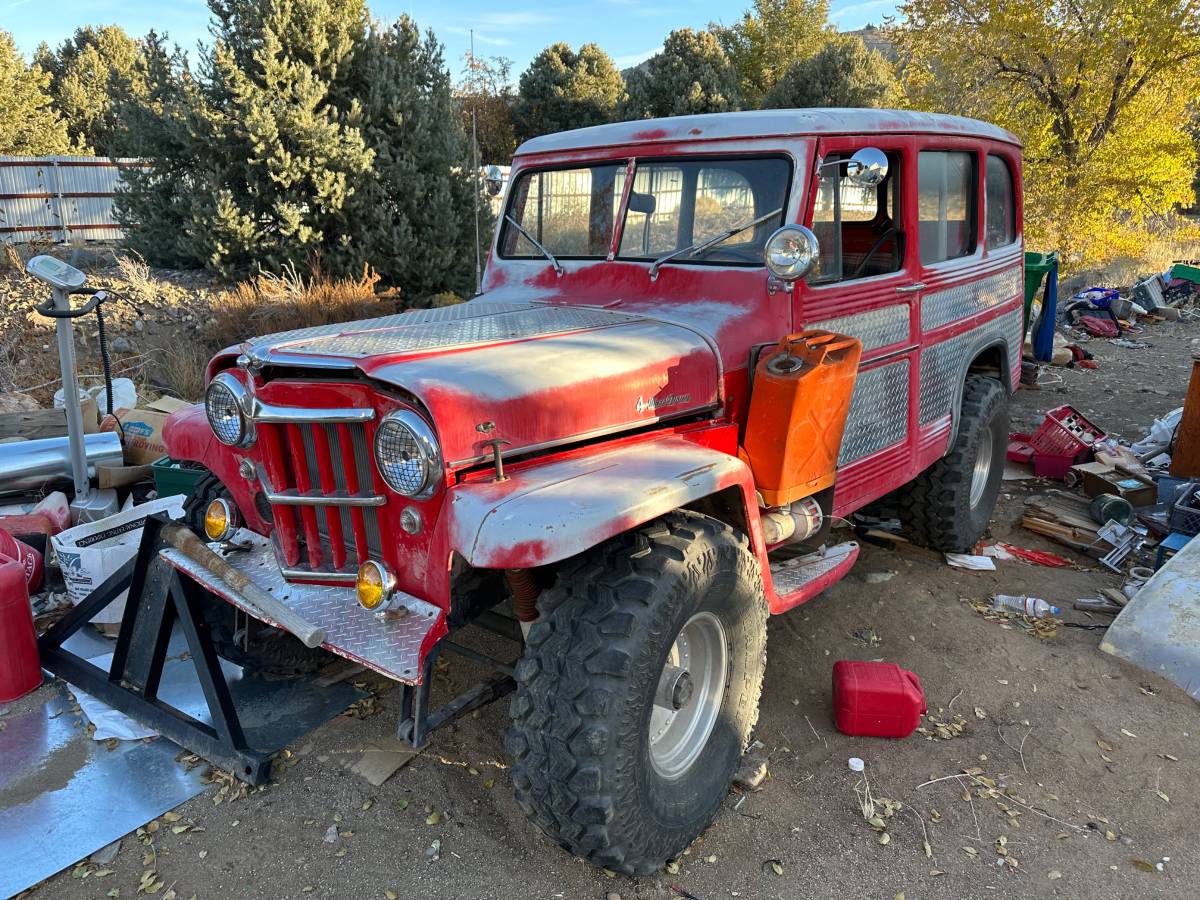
566, 399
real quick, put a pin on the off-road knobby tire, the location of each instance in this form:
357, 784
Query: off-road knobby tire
936, 506
585, 687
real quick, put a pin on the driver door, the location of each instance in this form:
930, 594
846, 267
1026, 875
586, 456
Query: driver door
863, 285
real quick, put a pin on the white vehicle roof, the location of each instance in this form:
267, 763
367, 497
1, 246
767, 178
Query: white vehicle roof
764, 123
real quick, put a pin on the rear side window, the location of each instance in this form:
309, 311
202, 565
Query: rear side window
1001, 206
946, 205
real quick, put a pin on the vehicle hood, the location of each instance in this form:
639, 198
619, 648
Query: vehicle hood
541, 374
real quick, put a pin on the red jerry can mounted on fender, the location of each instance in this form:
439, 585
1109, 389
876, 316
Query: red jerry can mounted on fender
873, 699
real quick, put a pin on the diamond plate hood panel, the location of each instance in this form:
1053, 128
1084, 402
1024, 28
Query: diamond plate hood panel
542, 374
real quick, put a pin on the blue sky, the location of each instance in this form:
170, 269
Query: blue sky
629, 30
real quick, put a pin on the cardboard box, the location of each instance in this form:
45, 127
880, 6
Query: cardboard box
1096, 478
142, 429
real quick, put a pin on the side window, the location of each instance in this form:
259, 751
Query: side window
946, 205
857, 227
1001, 206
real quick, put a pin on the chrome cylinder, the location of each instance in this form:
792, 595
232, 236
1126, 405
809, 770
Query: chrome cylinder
797, 522
30, 465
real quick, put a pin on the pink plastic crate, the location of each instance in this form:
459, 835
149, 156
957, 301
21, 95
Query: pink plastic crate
1065, 433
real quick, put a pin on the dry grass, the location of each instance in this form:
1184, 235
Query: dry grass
272, 303
141, 285
179, 371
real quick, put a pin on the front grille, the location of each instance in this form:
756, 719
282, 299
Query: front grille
324, 495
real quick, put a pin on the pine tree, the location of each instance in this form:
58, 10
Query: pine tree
563, 89
29, 123
86, 72
413, 218
691, 74
843, 73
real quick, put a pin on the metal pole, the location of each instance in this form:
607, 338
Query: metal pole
66, 356
475, 157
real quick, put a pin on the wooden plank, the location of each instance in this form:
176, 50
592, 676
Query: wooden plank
33, 424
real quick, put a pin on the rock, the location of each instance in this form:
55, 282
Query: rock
331, 834
105, 855
878, 577
612, 895
122, 345
14, 402
752, 772
138, 325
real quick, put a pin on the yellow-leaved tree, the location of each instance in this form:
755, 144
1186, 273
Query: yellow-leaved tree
1101, 92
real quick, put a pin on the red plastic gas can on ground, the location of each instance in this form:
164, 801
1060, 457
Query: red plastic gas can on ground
29, 558
20, 668
873, 699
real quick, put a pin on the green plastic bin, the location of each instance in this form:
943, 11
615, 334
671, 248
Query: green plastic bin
172, 478
1037, 267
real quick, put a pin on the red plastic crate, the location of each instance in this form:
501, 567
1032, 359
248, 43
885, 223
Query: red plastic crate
1065, 433
873, 699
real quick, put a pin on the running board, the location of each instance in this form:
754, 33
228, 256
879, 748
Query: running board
801, 578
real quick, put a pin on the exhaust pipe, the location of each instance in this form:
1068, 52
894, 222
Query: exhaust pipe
796, 522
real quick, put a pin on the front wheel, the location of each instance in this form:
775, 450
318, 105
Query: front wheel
638, 690
949, 505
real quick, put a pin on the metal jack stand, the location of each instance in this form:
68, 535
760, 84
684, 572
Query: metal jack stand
416, 718
159, 597
89, 505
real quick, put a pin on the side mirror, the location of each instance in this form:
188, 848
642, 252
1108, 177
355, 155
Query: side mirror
867, 167
791, 252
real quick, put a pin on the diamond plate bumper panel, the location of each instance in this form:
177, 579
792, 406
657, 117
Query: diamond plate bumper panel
391, 646
942, 307
943, 366
878, 414
413, 332
877, 328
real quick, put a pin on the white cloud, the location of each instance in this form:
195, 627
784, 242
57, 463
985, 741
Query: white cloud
633, 59
479, 36
500, 21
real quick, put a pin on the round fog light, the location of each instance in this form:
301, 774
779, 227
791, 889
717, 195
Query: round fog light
220, 520
374, 585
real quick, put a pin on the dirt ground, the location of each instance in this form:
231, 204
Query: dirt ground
1094, 760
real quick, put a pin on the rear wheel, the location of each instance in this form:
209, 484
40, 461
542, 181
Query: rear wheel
949, 505
638, 690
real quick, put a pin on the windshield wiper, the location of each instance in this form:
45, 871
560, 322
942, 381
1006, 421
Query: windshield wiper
558, 269
708, 244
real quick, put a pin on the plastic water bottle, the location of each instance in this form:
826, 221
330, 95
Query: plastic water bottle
1030, 606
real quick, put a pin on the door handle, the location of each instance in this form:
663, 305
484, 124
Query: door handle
911, 288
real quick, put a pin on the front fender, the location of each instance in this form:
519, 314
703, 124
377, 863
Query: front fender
548, 513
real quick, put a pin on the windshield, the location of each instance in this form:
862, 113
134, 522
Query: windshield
673, 205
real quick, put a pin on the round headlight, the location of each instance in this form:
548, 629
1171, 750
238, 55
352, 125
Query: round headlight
225, 403
407, 454
791, 251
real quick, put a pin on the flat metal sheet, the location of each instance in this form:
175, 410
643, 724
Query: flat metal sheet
390, 646
1159, 629
876, 328
943, 365
64, 795
878, 414
949, 304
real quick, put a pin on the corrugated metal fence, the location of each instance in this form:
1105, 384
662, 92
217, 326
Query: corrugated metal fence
59, 198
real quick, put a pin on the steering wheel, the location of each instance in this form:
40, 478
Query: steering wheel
889, 232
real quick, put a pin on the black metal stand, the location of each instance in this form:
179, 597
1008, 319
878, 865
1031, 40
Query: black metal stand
416, 718
158, 598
